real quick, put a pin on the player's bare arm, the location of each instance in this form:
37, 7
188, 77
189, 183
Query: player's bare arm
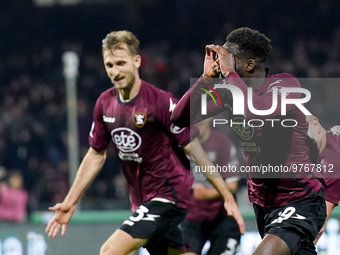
200, 192
88, 170
195, 150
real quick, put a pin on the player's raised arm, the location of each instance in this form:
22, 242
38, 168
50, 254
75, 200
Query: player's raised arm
195, 150
89, 168
259, 102
200, 192
181, 113
188, 109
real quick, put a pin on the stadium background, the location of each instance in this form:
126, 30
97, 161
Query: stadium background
35, 34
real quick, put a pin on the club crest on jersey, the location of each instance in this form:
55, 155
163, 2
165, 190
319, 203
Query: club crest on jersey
139, 118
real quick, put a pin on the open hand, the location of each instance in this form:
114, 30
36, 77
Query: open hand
232, 210
63, 214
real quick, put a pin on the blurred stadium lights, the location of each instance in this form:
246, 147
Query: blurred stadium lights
51, 3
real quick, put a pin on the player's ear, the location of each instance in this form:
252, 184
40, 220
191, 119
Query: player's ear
250, 65
138, 61
316, 124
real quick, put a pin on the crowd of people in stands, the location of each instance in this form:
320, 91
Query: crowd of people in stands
33, 107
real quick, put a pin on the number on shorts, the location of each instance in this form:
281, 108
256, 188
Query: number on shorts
285, 215
142, 210
231, 247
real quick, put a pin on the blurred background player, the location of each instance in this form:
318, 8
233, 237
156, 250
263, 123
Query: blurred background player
290, 208
136, 116
329, 149
13, 197
207, 219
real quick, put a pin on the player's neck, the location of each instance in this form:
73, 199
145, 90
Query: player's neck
130, 93
323, 141
256, 79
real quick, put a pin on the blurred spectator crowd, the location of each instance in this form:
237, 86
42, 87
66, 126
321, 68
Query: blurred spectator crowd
33, 105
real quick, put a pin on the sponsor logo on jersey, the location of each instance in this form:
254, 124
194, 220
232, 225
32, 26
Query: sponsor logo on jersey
139, 118
126, 139
273, 83
279, 90
130, 156
244, 131
176, 130
109, 119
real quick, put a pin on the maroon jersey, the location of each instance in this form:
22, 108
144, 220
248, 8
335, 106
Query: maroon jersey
13, 204
330, 160
146, 142
262, 145
220, 150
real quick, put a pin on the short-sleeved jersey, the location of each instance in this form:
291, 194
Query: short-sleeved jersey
221, 151
146, 142
279, 145
270, 144
330, 161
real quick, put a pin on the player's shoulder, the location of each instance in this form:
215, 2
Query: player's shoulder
108, 94
283, 76
153, 90
333, 139
165, 101
335, 132
283, 80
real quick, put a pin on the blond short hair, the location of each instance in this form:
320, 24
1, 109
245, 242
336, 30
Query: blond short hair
115, 39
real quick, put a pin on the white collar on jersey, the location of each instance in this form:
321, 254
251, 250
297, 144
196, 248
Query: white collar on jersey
122, 99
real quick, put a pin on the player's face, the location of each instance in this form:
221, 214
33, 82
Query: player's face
121, 67
239, 60
240, 63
